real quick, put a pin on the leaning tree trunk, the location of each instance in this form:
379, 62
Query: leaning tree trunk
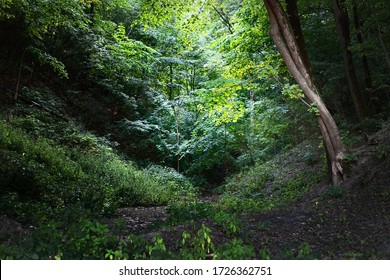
283, 35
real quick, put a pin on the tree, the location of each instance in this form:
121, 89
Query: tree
342, 24
283, 35
366, 67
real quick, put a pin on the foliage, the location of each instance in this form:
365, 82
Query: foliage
141, 103
41, 172
228, 222
189, 210
266, 185
222, 104
86, 239
265, 253
198, 247
235, 250
174, 183
335, 192
42, 22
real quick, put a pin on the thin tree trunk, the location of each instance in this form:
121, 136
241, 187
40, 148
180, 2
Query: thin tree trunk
342, 24
283, 36
225, 18
383, 43
170, 81
252, 125
374, 14
176, 111
19, 78
92, 13
177, 123
193, 77
366, 67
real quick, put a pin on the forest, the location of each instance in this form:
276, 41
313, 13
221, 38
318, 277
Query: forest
204, 129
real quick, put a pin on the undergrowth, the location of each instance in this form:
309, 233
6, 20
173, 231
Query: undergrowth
49, 176
89, 239
276, 182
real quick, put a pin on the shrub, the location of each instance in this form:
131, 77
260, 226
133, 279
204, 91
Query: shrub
198, 247
228, 222
39, 170
36, 168
176, 185
235, 250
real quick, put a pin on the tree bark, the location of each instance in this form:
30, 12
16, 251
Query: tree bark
366, 67
283, 36
295, 21
379, 30
342, 24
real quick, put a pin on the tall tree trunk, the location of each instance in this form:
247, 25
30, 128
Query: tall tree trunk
342, 24
379, 30
251, 142
366, 67
283, 36
295, 21
293, 16
92, 13
374, 14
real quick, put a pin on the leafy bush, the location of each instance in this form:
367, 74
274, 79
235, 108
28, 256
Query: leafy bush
235, 250
176, 184
85, 239
198, 247
265, 253
39, 171
228, 222
88, 240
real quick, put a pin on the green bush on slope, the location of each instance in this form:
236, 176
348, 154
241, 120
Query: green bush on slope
36, 170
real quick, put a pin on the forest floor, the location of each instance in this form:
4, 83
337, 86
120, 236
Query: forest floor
348, 222
352, 222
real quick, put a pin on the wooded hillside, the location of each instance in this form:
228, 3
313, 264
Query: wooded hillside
199, 121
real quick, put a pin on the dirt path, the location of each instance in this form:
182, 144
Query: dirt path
138, 219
